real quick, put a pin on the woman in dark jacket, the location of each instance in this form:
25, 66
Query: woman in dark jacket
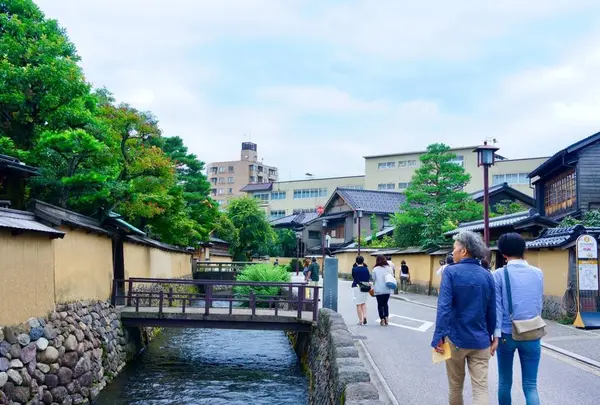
360, 277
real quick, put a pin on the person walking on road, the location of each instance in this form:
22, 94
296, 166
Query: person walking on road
361, 280
445, 263
393, 266
382, 292
466, 316
404, 276
313, 274
527, 292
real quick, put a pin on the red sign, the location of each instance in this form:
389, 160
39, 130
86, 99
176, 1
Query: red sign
320, 210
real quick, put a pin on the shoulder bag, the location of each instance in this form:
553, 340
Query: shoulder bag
364, 287
390, 281
527, 329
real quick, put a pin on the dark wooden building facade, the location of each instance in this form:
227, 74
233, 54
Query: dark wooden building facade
568, 184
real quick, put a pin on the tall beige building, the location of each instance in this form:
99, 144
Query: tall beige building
228, 178
393, 172
283, 198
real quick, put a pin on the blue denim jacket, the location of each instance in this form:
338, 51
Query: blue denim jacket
466, 310
527, 286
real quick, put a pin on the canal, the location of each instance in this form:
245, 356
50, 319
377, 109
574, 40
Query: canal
211, 366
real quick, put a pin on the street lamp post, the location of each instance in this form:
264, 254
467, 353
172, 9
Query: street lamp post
359, 215
486, 157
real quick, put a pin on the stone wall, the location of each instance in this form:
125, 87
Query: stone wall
65, 358
336, 373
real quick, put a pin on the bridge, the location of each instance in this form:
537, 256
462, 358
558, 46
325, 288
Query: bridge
180, 303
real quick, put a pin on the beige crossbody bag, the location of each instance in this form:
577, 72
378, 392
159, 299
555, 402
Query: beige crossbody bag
527, 329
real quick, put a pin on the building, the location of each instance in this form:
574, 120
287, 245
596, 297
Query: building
394, 172
347, 206
308, 231
13, 175
228, 178
567, 183
283, 198
503, 192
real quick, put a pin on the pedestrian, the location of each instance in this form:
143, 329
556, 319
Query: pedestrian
361, 284
382, 292
393, 266
305, 266
313, 275
445, 263
404, 276
526, 298
466, 318
276, 263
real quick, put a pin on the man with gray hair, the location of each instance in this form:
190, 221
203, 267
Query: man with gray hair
466, 318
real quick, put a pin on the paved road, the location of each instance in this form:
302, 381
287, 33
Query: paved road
403, 356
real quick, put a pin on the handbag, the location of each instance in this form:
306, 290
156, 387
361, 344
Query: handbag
364, 287
390, 281
372, 292
526, 329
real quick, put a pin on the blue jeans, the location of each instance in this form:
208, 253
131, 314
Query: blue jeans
530, 353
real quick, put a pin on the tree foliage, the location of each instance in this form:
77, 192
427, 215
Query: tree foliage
590, 218
255, 234
95, 155
435, 200
506, 207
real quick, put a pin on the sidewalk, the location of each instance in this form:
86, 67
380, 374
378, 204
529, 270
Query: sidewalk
581, 345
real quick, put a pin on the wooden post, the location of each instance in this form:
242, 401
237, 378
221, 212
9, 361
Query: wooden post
113, 299
171, 296
301, 293
129, 289
208, 299
315, 302
137, 304
231, 306
160, 302
253, 302
183, 306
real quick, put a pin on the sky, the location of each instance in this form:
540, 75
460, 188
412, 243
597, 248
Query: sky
320, 84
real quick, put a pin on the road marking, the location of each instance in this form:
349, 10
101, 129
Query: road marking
425, 325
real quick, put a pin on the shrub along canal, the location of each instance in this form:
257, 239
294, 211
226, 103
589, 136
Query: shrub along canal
211, 366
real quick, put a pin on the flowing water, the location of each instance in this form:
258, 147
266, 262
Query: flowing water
211, 366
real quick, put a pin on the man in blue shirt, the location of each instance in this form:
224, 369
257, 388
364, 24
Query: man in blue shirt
466, 316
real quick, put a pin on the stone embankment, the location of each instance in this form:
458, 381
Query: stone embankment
65, 358
336, 372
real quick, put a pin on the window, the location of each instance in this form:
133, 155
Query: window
231, 169
277, 214
253, 168
229, 191
386, 165
560, 193
354, 187
262, 197
221, 169
403, 186
252, 179
229, 180
459, 160
386, 186
314, 235
304, 210
272, 173
510, 178
221, 191
213, 170
407, 163
214, 191
309, 193
278, 195
260, 169
221, 180
213, 180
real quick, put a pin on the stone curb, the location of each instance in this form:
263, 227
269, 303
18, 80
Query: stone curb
400, 298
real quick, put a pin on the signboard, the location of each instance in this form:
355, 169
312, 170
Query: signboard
587, 247
330, 284
320, 209
588, 276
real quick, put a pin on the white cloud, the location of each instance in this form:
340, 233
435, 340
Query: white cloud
145, 52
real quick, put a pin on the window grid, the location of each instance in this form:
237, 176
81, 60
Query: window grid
305, 193
386, 186
386, 165
278, 195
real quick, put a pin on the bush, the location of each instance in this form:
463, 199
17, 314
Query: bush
263, 272
292, 266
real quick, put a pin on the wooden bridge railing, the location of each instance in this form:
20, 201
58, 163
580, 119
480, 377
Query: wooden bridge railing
221, 266
162, 293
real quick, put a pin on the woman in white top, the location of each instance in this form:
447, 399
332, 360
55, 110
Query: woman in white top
382, 291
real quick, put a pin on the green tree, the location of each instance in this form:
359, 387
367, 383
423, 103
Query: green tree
255, 234
284, 243
42, 86
590, 219
435, 200
506, 207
